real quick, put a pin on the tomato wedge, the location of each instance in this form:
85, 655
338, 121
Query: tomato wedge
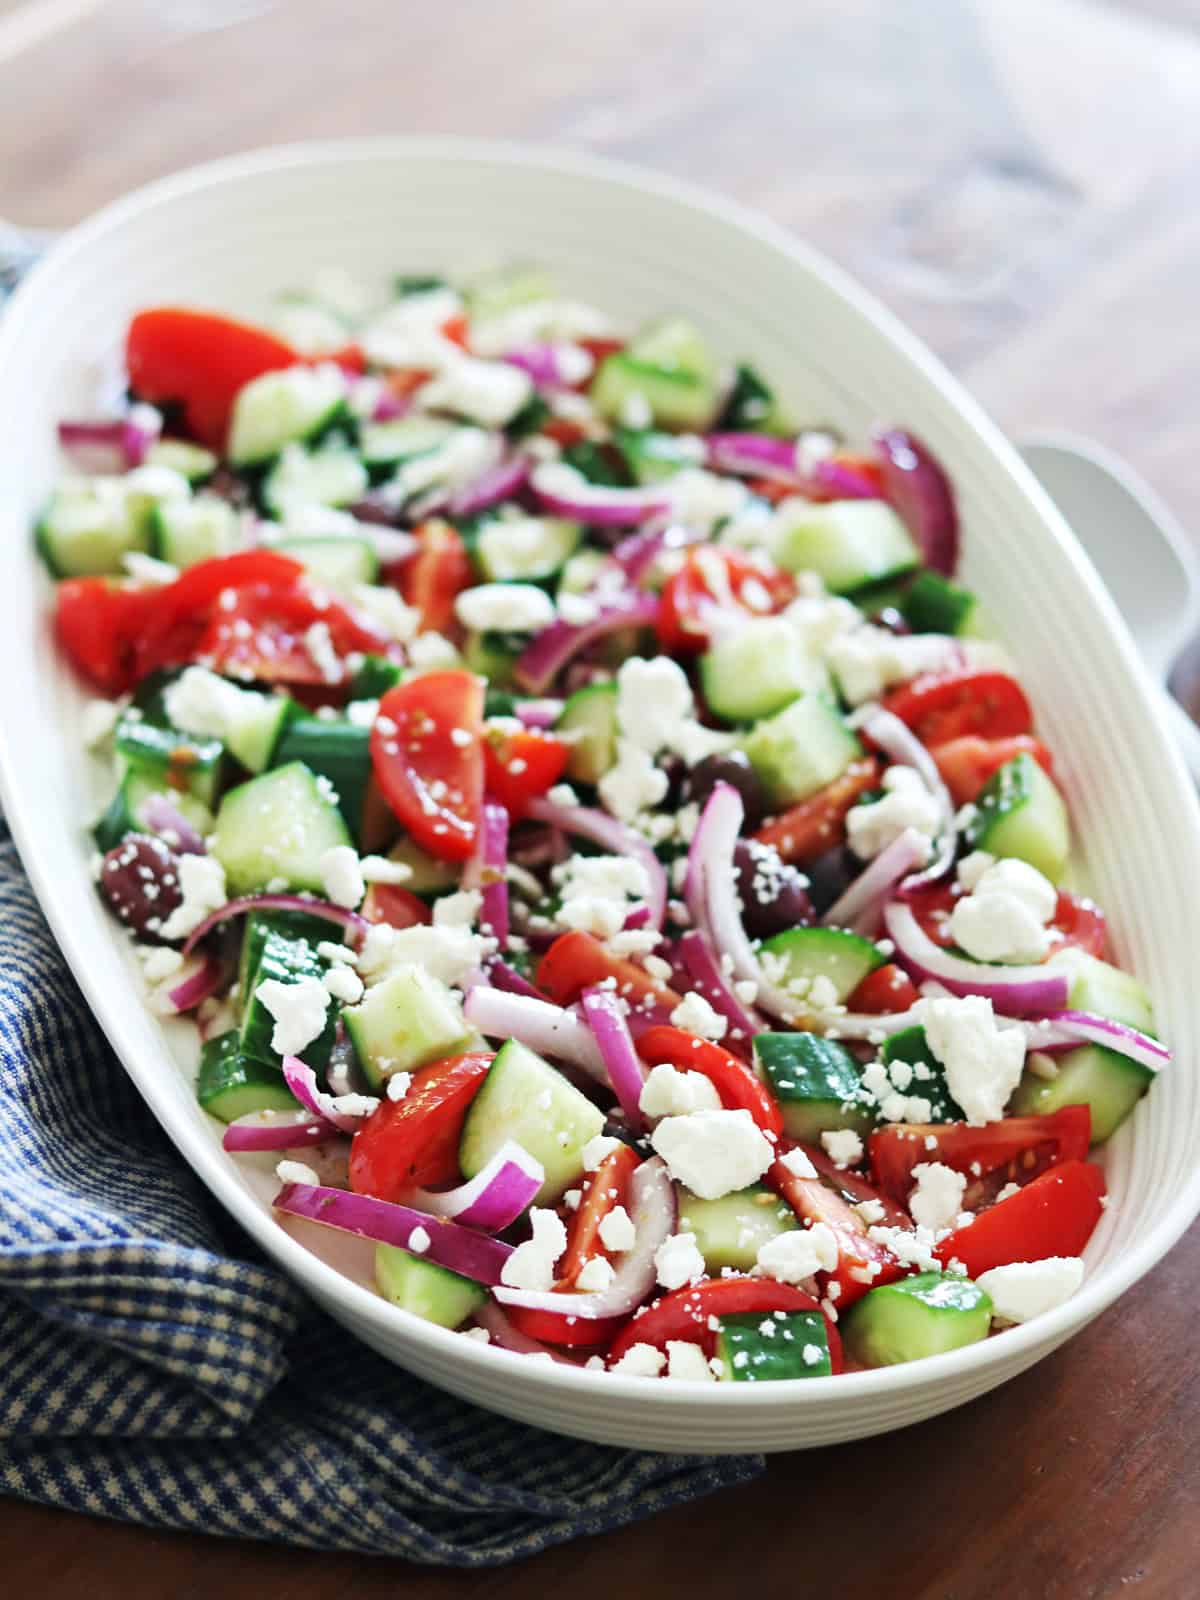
887, 989
577, 960
862, 1262
939, 707
807, 830
1076, 921
395, 905
98, 623
967, 763
1010, 1144
521, 766
684, 1314
199, 360
605, 1190
433, 578
178, 614
713, 583
554, 1327
413, 1143
737, 1084
263, 633
1054, 1215
427, 754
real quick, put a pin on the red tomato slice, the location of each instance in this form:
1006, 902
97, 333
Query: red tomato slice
896, 1150
576, 961
413, 1143
684, 1314
887, 989
433, 578
456, 329
521, 766
1055, 1215
736, 1083
862, 1263
553, 1327
1080, 922
98, 624
853, 1187
712, 583
179, 613
199, 360
967, 763
427, 754
605, 1190
564, 432
398, 907
945, 706
816, 824
263, 633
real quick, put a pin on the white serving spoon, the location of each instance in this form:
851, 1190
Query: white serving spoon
1144, 557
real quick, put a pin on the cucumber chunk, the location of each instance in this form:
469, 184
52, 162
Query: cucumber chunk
731, 1231
911, 1045
591, 713
125, 813
230, 1085
260, 925
1100, 987
169, 759
800, 749
758, 670
1105, 1081
750, 404
796, 1347
493, 655
525, 1099
282, 959
935, 605
337, 751
816, 1082
277, 825
331, 476
848, 543
405, 1022
427, 1290
525, 549
337, 563
493, 293
652, 456
844, 958
1020, 813
283, 408
925, 1315
387, 445
186, 531
374, 678
675, 399
191, 461
88, 526
429, 875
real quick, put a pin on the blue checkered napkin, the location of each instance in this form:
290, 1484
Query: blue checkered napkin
154, 1370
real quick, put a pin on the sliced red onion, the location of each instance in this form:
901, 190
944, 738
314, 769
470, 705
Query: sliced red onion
458, 1249
498, 483
704, 971
302, 1081
505, 1337
389, 407
208, 978
500, 975
639, 917
545, 656
865, 1024
539, 714
1014, 991
1085, 1027
112, 446
546, 1028
637, 554
551, 366
900, 744
653, 1210
568, 493
495, 1197
597, 826
861, 906
839, 480
756, 455
164, 818
275, 1130
605, 1016
276, 902
916, 486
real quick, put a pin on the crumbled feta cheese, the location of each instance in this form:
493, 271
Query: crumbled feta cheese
200, 702
593, 892
633, 784
531, 1265
341, 874
843, 1147
1004, 917
458, 910
869, 660
971, 868
418, 1241
982, 1061
328, 950
379, 869
387, 610
912, 1247
362, 714
820, 619
98, 721
598, 1150
489, 393
450, 954
297, 1172
695, 1015
686, 1361
298, 1009
595, 1275
713, 1152
670, 1093
678, 1261
871, 1211
202, 884
906, 804
641, 1361
700, 499
480, 1335
432, 652
158, 962
1026, 1289
148, 570
936, 1197
504, 608
343, 984
318, 641
572, 1199
795, 1256
798, 1164
617, 1232
656, 711
562, 794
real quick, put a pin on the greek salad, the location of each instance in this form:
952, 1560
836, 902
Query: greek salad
607, 864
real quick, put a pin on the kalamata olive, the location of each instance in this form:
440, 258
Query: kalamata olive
140, 880
830, 875
774, 897
733, 768
891, 619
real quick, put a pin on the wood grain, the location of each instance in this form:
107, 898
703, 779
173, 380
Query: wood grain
1018, 179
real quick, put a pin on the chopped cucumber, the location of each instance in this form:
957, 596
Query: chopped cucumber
731, 1231
425, 1289
1020, 813
387, 445
282, 959
1100, 987
337, 563
186, 531
910, 1045
230, 1085
758, 670
590, 713
800, 749
1105, 1081
331, 476
126, 811
844, 958
88, 527
169, 759
277, 825
493, 655
374, 678
652, 456
429, 875
506, 288
848, 543
582, 570
816, 1082
676, 399
191, 461
525, 1099
282, 408
525, 549
337, 751
405, 1022
935, 605
749, 406
754, 1348
259, 926
925, 1315
253, 737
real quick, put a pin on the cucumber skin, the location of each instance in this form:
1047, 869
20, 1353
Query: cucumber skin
898, 1323
910, 1045
757, 671
433, 1293
259, 810
1022, 814
1104, 1080
815, 1082
410, 1020
339, 751
230, 1085
594, 709
772, 1357
844, 958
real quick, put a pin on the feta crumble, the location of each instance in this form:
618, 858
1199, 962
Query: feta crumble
299, 1011
713, 1152
843, 1147
342, 876
531, 1265
982, 1061
1026, 1289
678, 1261
695, 1015
936, 1197
906, 804
796, 1256
670, 1093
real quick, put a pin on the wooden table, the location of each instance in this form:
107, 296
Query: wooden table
1018, 179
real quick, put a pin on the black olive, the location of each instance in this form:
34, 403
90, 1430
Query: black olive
774, 896
140, 880
733, 768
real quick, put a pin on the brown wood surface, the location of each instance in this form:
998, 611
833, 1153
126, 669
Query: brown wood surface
1018, 178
